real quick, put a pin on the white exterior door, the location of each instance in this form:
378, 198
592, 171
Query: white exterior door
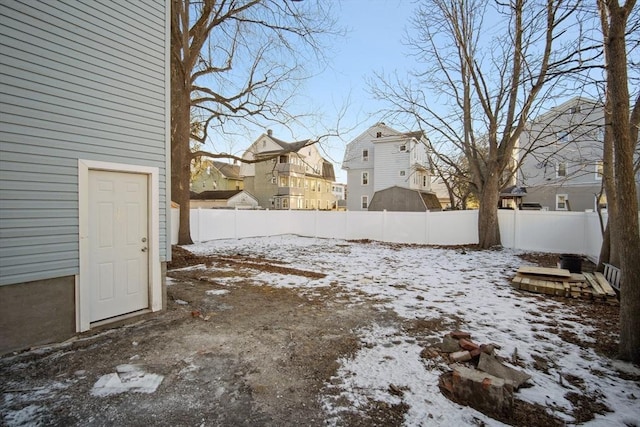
118, 243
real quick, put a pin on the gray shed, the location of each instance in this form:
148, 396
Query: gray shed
401, 199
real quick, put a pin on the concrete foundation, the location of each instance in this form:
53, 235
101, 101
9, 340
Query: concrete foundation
37, 313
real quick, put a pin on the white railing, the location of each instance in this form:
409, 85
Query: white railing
543, 231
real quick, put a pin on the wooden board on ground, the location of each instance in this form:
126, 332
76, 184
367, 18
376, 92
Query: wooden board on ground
604, 284
545, 271
597, 290
575, 277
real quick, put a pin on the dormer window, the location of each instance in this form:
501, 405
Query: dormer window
378, 134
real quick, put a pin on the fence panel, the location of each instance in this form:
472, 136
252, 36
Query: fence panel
555, 232
409, 227
364, 225
453, 228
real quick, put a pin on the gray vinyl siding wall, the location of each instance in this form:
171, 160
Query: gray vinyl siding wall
78, 79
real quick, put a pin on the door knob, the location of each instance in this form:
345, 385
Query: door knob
144, 239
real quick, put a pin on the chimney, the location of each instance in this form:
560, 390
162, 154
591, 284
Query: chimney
269, 132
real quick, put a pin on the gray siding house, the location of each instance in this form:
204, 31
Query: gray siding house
84, 155
382, 158
563, 168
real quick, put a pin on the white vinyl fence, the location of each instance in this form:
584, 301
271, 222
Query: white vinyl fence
543, 231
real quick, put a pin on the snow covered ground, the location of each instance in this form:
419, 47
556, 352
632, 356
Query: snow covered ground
432, 283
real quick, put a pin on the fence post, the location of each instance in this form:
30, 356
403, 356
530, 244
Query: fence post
515, 228
426, 227
235, 223
384, 224
199, 231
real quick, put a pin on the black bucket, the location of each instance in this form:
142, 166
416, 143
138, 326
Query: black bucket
570, 262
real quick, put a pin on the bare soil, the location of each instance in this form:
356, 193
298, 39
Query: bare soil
254, 356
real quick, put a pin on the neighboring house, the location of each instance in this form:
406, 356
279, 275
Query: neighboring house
401, 199
214, 175
439, 188
229, 199
340, 193
381, 158
564, 170
84, 161
288, 175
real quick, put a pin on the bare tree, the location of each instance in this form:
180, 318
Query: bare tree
484, 74
234, 61
622, 133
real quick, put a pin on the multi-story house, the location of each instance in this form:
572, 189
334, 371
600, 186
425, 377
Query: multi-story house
562, 170
381, 158
288, 175
213, 175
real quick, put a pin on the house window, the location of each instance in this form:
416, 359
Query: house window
378, 134
273, 179
313, 185
365, 178
365, 202
306, 203
424, 180
284, 182
599, 170
562, 202
285, 203
365, 155
403, 147
283, 159
403, 173
561, 169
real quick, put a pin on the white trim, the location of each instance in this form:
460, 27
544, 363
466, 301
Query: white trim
362, 174
566, 199
599, 165
566, 167
167, 126
83, 299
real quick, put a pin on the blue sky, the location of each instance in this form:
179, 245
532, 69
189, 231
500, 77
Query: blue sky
373, 43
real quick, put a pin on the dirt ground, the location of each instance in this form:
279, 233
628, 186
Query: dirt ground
253, 356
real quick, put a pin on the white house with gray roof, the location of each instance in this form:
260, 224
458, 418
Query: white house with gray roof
382, 158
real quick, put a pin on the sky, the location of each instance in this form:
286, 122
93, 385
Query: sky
441, 285
372, 44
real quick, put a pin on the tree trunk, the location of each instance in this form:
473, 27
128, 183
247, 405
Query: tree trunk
626, 221
488, 229
605, 249
180, 151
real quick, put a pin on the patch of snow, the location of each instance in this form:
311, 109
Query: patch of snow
181, 302
24, 416
217, 292
127, 378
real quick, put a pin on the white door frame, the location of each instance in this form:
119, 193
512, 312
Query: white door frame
83, 287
